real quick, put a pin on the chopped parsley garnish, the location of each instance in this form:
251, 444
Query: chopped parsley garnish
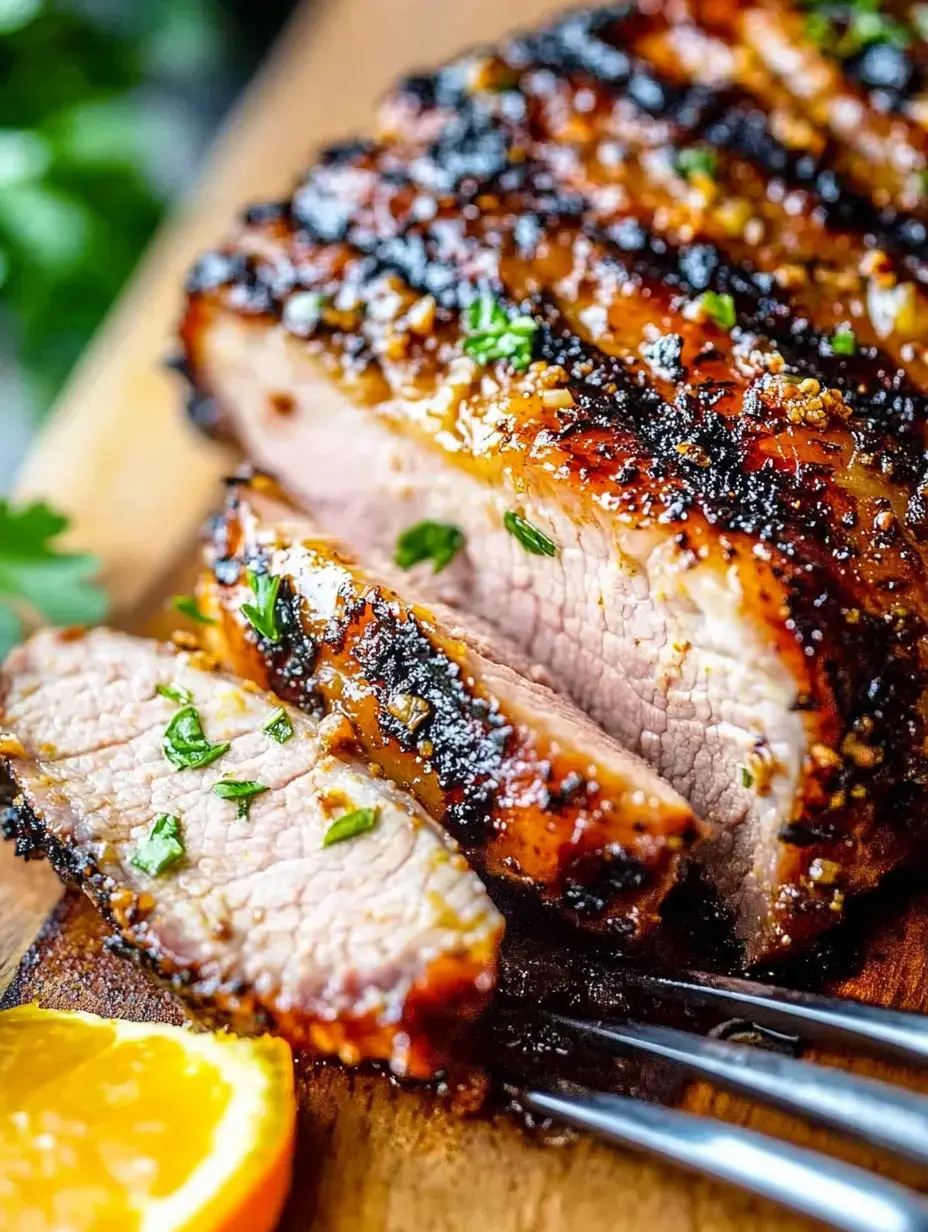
279, 727
188, 606
163, 847
174, 693
697, 160
747, 778
720, 308
184, 743
242, 792
438, 542
262, 614
492, 334
350, 825
843, 341
36, 577
531, 538
844, 30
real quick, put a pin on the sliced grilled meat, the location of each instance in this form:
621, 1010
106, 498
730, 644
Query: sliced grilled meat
507, 305
379, 946
535, 793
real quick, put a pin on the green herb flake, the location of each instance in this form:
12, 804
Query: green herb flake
747, 778
844, 30
843, 341
438, 542
262, 615
697, 160
531, 538
242, 792
188, 606
719, 308
350, 825
163, 847
279, 727
490, 334
36, 577
184, 743
174, 693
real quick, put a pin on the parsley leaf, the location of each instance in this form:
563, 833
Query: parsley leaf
262, 615
845, 29
188, 606
438, 542
491, 334
531, 538
35, 577
350, 825
184, 743
279, 727
163, 847
720, 308
243, 792
697, 160
843, 341
174, 693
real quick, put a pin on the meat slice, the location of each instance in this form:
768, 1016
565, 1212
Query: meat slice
379, 946
534, 791
506, 309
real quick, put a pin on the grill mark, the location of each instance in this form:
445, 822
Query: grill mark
872, 668
414, 252
728, 119
881, 397
468, 739
374, 649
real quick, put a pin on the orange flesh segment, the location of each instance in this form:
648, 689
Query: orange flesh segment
110, 1126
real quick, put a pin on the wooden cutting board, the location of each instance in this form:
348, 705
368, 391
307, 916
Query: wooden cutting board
118, 457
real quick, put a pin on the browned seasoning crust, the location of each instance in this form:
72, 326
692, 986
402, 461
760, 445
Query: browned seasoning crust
546, 171
602, 842
451, 994
418, 1035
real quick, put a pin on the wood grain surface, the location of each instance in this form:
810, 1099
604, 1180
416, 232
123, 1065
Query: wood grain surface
119, 458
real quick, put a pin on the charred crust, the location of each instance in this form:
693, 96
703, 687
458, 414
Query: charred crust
450, 994
592, 882
293, 658
418, 704
462, 735
480, 190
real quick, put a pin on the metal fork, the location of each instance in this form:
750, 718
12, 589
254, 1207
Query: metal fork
835, 1193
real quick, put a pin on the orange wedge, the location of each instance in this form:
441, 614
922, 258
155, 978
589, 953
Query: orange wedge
136, 1127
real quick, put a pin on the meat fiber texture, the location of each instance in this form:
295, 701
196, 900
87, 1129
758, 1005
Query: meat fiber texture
379, 946
539, 796
634, 279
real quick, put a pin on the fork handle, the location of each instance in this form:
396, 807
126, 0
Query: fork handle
835, 1193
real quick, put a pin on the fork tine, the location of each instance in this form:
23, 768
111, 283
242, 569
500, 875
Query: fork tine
875, 1112
896, 1034
837, 1194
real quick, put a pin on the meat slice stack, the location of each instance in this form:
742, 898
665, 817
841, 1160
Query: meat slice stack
637, 303
537, 795
245, 852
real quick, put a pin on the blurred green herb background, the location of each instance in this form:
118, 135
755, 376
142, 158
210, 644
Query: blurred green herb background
105, 108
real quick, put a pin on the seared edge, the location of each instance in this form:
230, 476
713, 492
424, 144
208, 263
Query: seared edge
534, 793
416, 1037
